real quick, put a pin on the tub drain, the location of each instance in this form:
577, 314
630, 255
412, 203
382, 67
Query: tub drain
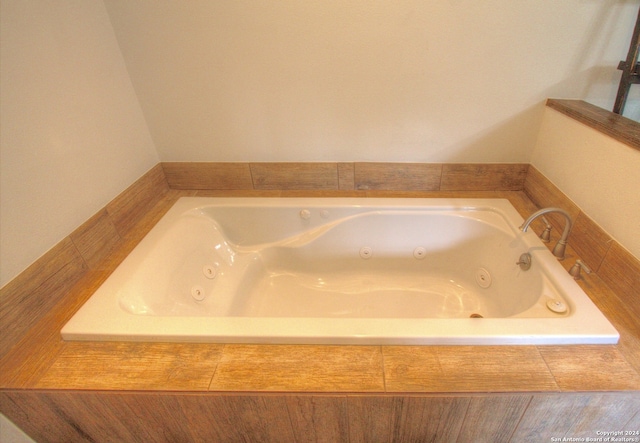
557, 306
476, 316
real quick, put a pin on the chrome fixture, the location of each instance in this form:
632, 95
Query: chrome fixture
546, 235
575, 270
560, 247
525, 261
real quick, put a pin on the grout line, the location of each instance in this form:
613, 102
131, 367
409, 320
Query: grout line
555, 381
515, 428
384, 374
224, 346
464, 419
253, 184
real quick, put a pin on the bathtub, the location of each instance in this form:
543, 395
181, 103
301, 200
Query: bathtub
340, 271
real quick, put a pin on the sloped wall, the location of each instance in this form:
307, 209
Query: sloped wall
73, 134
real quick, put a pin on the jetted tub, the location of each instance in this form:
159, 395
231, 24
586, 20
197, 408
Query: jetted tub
340, 271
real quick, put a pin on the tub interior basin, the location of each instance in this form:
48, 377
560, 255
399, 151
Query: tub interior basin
340, 271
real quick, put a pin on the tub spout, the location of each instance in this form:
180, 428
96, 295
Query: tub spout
560, 247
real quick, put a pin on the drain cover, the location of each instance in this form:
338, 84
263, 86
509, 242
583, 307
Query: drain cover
557, 306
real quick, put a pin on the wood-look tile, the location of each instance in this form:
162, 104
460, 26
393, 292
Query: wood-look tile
371, 418
629, 347
207, 175
620, 270
238, 418
483, 177
133, 203
465, 369
238, 193
29, 360
317, 418
339, 193
590, 367
545, 194
590, 241
493, 418
346, 176
119, 417
316, 176
125, 366
549, 415
381, 193
398, 176
42, 420
28, 297
614, 307
633, 423
299, 368
93, 418
152, 216
509, 195
26, 283
430, 418
407, 418
36, 361
612, 411
147, 417
96, 238
412, 369
521, 203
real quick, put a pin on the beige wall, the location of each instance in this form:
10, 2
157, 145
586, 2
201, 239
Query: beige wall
364, 80
600, 174
73, 134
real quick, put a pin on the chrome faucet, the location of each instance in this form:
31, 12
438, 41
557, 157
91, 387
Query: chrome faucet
560, 247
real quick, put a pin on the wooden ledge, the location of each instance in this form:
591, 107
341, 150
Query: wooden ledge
614, 125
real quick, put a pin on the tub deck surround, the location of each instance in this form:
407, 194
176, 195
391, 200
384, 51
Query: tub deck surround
615, 265
41, 360
293, 271
32, 294
78, 391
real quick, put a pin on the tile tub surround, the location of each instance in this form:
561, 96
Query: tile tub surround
361, 176
29, 297
80, 389
41, 360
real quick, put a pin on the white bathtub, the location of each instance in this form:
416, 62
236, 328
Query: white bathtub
340, 271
